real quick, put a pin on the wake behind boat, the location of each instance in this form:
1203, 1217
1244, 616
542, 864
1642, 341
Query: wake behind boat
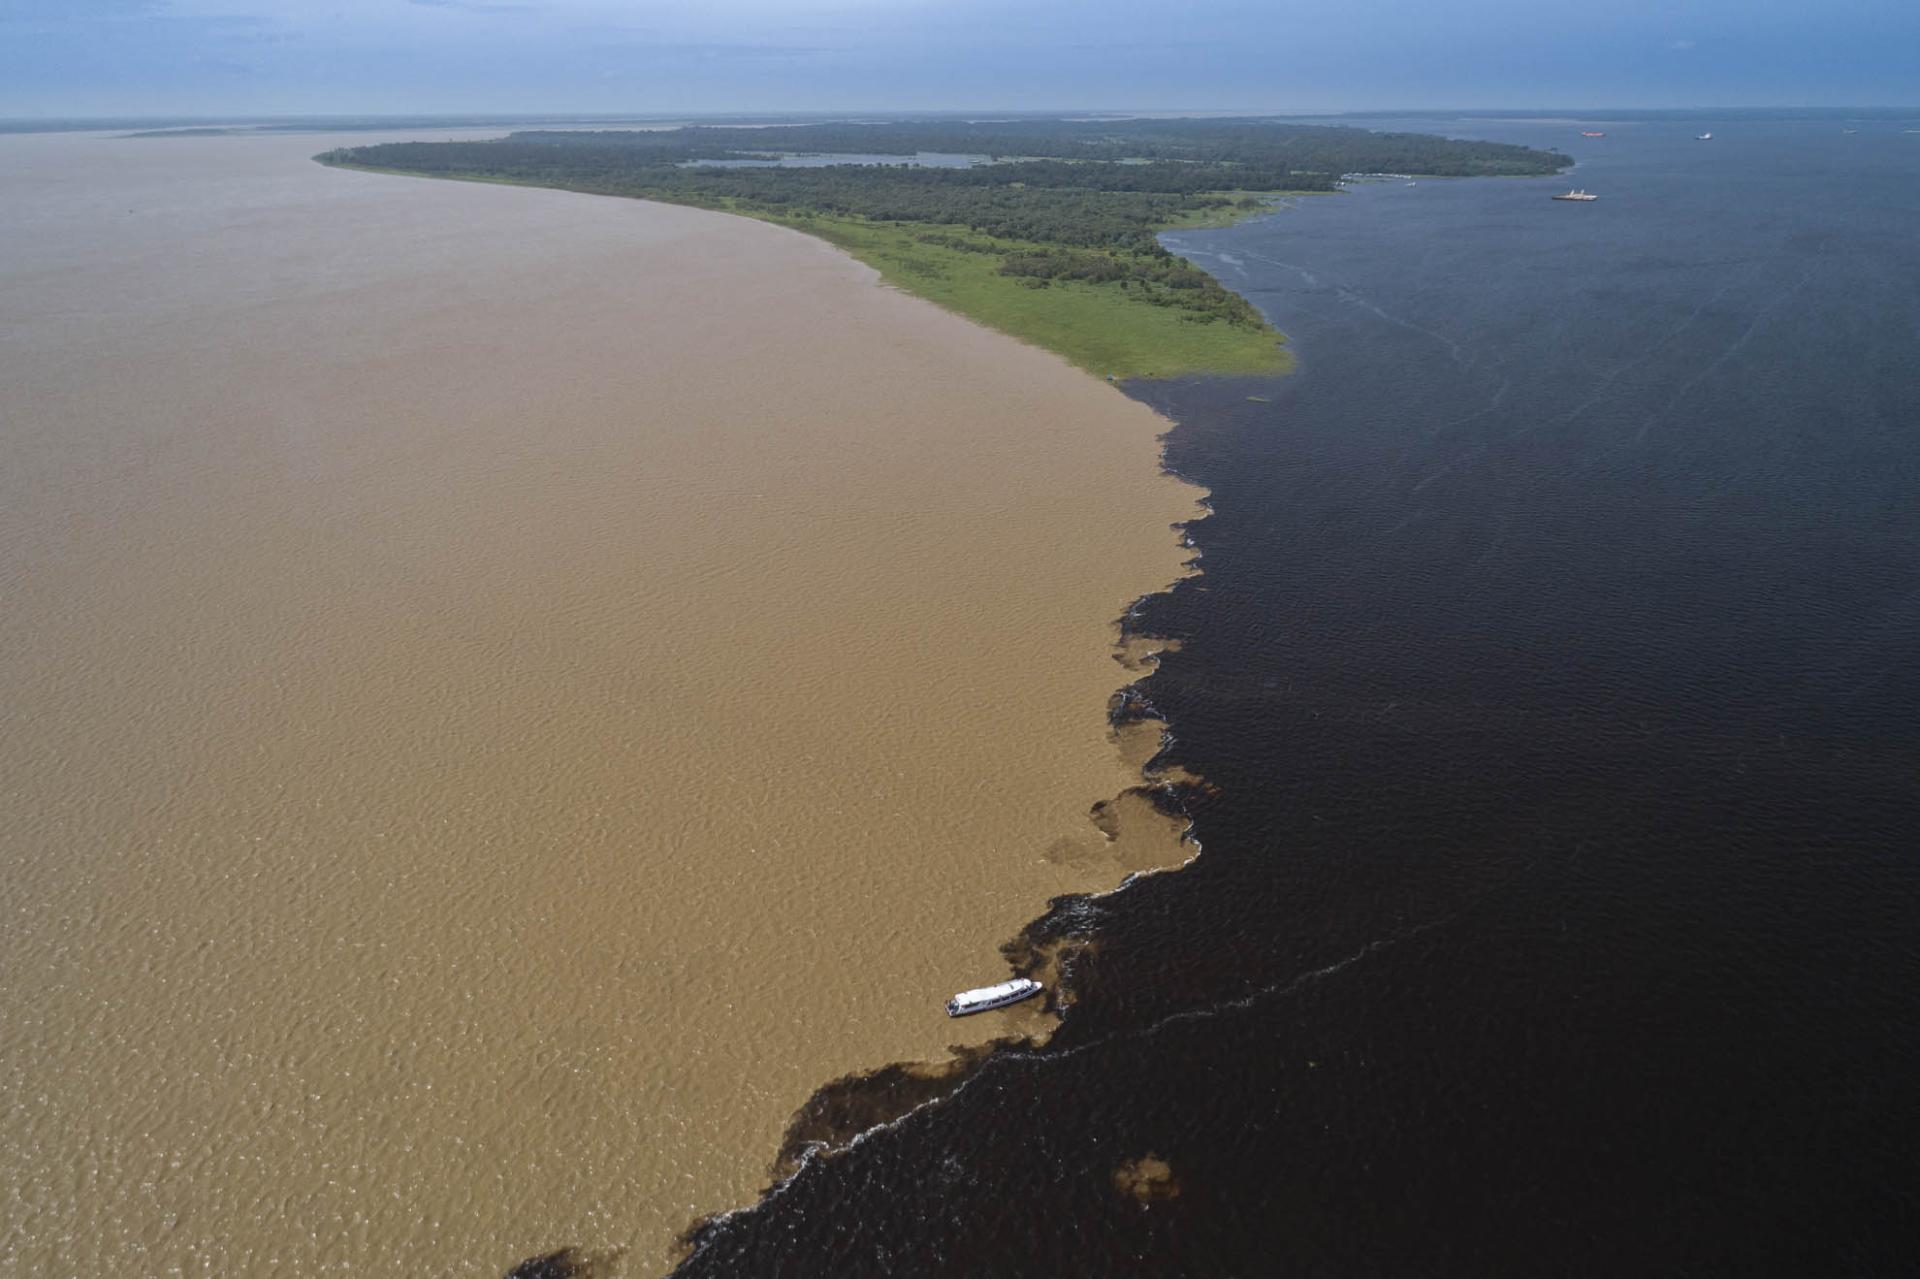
986, 997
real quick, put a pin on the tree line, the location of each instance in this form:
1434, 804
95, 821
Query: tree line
1079, 200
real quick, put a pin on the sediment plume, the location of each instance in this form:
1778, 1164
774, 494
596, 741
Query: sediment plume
1148, 1179
1137, 829
510, 691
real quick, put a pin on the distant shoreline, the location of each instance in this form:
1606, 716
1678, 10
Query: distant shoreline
1099, 337
1045, 229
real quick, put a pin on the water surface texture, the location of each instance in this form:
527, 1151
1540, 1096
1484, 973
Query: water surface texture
1557, 661
504, 693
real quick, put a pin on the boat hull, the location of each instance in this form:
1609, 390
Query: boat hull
987, 998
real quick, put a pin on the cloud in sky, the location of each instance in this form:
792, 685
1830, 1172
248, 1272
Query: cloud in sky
70, 57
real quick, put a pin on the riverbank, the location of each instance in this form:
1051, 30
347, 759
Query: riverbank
524, 687
1097, 327
1044, 229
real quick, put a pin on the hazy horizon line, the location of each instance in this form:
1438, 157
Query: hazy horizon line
509, 116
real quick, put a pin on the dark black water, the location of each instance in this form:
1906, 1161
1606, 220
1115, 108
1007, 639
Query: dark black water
1557, 659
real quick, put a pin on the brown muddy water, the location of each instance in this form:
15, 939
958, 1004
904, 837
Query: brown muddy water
505, 693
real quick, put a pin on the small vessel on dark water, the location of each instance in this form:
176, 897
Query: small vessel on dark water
1577, 194
986, 997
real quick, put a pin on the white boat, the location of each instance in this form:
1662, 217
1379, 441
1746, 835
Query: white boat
1577, 194
1705, 137
979, 1001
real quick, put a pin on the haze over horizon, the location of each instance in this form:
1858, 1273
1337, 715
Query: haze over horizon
76, 58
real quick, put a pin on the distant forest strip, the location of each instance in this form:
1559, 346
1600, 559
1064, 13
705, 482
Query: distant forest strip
1050, 234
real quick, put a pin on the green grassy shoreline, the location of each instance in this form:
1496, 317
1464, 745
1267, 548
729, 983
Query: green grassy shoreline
1103, 328
1047, 232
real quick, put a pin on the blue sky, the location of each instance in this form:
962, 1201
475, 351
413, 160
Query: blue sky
220, 57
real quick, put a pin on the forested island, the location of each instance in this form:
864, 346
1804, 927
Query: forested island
1045, 229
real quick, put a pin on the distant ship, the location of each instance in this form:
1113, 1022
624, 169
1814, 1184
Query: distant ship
1705, 137
1594, 133
979, 1001
1577, 194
